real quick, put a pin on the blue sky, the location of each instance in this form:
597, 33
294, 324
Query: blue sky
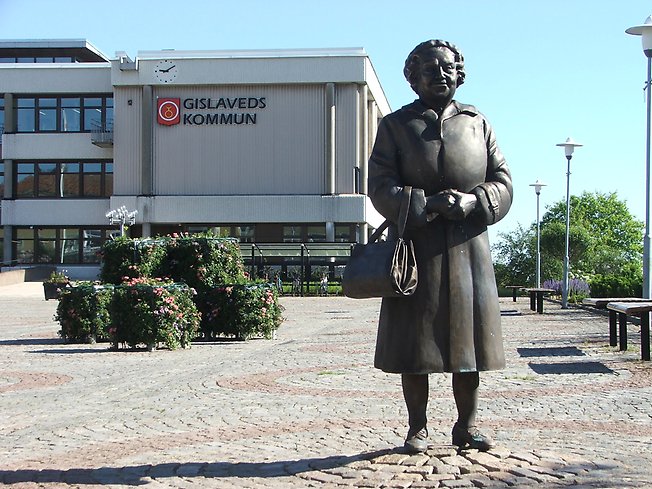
539, 70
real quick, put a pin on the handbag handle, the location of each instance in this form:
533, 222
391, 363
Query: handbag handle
402, 216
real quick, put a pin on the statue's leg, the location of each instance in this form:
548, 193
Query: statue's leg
465, 433
465, 390
415, 393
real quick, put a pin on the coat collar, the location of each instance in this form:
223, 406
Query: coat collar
453, 109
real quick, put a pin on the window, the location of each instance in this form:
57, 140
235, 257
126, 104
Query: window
343, 233
245, 234
25, 180
2, 181
63, 179
64, 114
2, 116
70, 114
59, 245
316, 234
46, 180
292, 234
39, 59
25, 121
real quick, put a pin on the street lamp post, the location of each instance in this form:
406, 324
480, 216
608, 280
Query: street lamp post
645, 31
537, 188
121, 216
569, 147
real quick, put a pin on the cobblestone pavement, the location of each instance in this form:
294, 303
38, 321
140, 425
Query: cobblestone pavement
308, 409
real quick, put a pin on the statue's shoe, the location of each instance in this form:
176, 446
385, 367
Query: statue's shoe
416, 442
471, 437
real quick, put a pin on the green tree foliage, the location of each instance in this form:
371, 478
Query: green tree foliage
605, 246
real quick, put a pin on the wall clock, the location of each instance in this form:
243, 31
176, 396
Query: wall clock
166, 70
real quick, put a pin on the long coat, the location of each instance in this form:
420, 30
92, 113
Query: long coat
452, 322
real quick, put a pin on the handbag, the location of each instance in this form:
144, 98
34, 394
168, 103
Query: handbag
383, 268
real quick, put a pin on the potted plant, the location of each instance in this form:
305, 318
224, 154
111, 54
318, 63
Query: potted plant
54, 283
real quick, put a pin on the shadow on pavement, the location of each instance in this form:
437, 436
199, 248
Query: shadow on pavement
32, 341
135, 475
552, 351
571, 368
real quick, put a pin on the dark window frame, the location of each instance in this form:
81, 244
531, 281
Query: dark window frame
82, 192
106, 107
83, 236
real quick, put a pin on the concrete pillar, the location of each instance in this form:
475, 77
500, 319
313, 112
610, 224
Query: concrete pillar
330, 232
363, 135
330, 139
7, 248
147, 183
9, 180
10, 114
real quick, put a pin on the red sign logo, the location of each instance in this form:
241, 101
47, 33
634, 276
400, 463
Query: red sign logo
168, 113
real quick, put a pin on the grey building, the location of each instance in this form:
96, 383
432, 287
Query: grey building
266, 146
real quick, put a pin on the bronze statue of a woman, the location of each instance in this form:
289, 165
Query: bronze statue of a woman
446, 151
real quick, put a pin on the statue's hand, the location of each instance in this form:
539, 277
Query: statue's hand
440, 203
463, 206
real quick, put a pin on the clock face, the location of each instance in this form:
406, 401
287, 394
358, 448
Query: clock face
166, 71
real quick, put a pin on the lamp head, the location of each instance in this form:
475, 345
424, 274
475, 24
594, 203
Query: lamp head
645, 31
537, 186
569, 146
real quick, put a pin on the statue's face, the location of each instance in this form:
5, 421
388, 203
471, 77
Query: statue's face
437, 79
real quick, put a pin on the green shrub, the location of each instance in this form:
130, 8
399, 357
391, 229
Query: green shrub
124, 257
240, 311
616, 286
83, 312
202, 261
149, 312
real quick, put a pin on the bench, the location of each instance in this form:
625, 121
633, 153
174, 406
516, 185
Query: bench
514, 288
642, 311
536, 298
601, 303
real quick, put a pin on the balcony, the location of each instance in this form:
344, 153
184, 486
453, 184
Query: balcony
102, 135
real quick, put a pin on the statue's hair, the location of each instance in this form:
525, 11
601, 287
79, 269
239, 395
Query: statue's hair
415, 59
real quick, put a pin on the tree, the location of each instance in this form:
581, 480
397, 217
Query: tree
516, 257
605, 242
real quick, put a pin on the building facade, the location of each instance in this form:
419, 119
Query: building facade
265, 146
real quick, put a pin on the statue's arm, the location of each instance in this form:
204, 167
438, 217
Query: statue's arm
496, 193
385, 182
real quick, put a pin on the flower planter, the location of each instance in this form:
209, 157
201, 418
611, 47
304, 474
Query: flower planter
52, 290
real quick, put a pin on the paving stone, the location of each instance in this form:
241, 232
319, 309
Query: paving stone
309, 409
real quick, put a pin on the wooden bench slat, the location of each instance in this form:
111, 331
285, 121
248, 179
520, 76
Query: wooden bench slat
630, 308
601, 302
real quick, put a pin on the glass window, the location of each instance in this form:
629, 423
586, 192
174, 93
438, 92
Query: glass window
108, 180
92, 119
70, 181
26, 115
45, 246
25, 180
70, 114
343, 233
24, 243
70, 245
7, 60
316, 233
92, 244
47, 180
245, 234
2, 114
92, 180
292, 234
2, 182
26, 59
